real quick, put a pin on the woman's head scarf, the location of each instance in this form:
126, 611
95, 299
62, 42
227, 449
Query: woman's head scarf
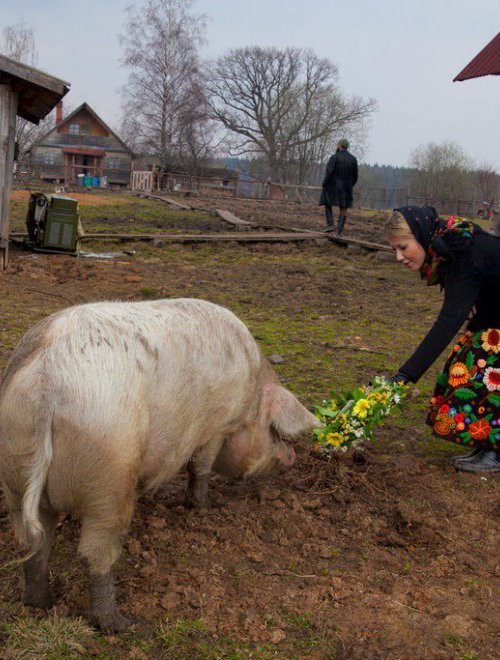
423, 221
441, 239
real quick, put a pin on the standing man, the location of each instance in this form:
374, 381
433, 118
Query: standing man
340, 177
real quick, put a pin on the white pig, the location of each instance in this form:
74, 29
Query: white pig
102, 401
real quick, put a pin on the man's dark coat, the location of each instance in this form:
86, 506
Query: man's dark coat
340, 177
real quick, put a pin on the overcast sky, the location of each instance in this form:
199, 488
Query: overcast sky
403, 53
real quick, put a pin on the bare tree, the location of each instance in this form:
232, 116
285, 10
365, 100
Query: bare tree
163, 100
18, 43
282, 105
441, 171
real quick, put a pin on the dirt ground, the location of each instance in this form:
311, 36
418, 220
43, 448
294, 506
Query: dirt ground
388, 553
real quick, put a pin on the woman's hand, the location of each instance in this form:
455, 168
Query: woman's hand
399, 378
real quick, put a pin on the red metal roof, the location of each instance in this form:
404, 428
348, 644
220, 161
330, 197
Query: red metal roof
486, 62
85, 152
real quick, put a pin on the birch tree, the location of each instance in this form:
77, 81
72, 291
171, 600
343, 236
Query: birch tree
163, 96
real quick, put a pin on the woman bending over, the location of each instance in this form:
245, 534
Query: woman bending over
465, 261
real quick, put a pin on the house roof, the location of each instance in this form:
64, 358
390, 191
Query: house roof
66, 120
486, 62
38, 93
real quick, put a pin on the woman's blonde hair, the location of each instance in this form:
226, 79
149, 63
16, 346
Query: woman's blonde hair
397, 227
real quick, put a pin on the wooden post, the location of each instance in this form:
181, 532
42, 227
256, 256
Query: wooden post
8, 111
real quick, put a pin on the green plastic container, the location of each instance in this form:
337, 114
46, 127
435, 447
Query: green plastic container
53, 223
88, 181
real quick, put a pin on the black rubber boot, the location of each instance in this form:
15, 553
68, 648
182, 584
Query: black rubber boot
329, 219
341, 225
467, 457
487, 461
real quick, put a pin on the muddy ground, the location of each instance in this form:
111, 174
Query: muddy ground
388, 553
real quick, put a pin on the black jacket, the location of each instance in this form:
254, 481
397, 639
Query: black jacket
470, 276
340, 177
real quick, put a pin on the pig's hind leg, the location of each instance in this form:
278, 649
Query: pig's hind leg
37, 592
199, 468
105, 524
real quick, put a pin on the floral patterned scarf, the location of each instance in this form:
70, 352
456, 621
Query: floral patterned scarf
446, 240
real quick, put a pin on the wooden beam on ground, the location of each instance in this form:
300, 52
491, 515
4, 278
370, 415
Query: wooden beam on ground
233, 220
246, 237
167, 200
223, 214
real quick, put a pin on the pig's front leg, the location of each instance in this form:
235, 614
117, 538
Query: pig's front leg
199, 468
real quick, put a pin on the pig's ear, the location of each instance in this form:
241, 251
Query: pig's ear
288, 415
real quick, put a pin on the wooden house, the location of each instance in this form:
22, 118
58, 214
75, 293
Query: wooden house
81, 144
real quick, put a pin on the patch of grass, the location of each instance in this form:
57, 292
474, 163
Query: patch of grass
309, 636
181, 632
53, 637
453, 640
149, 292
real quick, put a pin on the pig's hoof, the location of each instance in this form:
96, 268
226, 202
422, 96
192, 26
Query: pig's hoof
111, 622
195, 503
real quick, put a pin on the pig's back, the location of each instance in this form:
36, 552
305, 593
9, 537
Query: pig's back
152, 339
162, 353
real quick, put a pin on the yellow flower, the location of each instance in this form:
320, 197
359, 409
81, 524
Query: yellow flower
361, 408
334, 439
333, 405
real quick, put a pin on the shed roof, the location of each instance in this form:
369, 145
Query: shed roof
38, 93
486, 62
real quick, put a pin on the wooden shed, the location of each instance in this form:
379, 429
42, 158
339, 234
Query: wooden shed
30, 94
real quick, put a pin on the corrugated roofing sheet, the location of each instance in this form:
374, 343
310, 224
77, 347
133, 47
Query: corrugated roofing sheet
486, 62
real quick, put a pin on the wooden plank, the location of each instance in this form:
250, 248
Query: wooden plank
8, 110
167, 200
233, 220
247, 237
227, 214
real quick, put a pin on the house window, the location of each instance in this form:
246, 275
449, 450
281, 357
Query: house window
49, 158
74, 129
113, 163
84, 129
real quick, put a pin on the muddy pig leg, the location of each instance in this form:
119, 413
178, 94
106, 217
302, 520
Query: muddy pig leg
103, 530
199, 468
36, 591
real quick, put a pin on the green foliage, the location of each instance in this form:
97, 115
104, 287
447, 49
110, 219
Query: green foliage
51, 637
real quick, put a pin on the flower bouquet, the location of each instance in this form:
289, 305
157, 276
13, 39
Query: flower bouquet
350, 416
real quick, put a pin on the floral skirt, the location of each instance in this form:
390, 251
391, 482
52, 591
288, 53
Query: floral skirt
465, 407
